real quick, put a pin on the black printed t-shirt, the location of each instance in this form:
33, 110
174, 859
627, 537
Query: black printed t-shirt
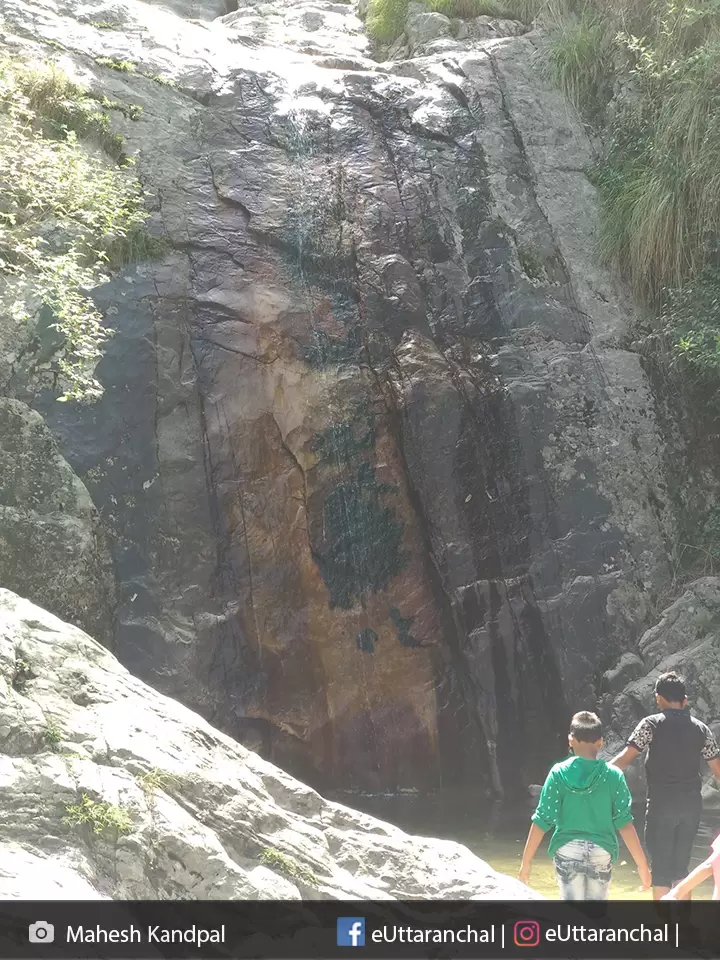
676, 745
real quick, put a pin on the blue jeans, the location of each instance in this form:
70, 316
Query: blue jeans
583, 871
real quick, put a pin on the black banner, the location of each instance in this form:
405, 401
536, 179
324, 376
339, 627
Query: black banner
356, 930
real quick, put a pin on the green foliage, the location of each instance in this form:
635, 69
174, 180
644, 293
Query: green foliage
386, 19
163, 81
690, 322
157, 779
578, 60
95, 212
661, 182
131, 111
48, 96
123, 66
281, 863
22, 675
98, 815
467, 9
53, 735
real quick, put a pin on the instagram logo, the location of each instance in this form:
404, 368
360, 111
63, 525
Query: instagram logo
526, 933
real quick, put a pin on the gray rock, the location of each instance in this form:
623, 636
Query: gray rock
629, 667
373, 416
52, 548
687, 639
423, 28
487, 28
182, 811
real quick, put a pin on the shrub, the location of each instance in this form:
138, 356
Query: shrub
577, 56
52, 735
281, 863
690, 322
98, 815
467, 9
386, 19
96, 214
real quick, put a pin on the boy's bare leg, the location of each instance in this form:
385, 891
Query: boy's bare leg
659, 892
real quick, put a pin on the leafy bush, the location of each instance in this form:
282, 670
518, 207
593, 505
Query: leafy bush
98, 815
94, 212
52, 735
690, 322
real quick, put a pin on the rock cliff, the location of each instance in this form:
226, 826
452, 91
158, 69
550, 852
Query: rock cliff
111, 790
382, 487
686, 639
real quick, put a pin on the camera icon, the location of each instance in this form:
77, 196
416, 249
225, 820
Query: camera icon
41, 932
527, 933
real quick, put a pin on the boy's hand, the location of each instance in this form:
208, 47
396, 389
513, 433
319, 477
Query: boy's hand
524, 874
645, 877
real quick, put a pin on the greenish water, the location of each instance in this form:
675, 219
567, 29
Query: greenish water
497, 835
503, 852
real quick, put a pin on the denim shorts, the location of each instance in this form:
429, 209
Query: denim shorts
583, 870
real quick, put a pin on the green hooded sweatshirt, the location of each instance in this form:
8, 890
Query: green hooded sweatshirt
584, 800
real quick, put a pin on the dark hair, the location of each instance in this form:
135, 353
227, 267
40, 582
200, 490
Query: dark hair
586, 727
671, 687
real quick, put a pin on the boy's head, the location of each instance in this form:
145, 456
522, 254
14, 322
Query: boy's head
670, 691
586, 734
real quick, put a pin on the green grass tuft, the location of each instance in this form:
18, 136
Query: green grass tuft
578, 58
123, 66
98, 815
53, 735
281, 863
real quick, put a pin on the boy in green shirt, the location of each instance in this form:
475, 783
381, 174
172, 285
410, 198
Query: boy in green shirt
586, 800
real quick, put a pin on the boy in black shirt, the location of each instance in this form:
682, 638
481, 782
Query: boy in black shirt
676, 744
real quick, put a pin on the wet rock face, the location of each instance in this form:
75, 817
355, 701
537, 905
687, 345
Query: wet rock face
384, 491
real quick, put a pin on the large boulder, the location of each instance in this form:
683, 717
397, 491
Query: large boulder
52, 547
109, 789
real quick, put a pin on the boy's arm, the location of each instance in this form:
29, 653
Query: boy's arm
625, 757
638, 740
534, 839
632, 842
711, 753
623, 823
680, 890
543, 819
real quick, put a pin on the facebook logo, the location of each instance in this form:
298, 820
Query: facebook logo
351, 932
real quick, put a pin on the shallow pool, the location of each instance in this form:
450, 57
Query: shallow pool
497, 835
